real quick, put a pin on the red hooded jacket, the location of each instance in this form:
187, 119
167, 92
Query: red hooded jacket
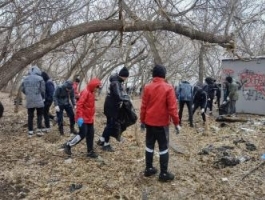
159, 104
85, 107
75, 86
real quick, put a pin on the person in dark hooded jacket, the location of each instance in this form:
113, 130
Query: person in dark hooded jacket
49, 91
200, 100
115, 97
33, 86
85, 112
62, 96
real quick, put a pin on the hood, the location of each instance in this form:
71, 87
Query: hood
93, 84
45, 76
209, 80
115, 77
34, 70
68, 84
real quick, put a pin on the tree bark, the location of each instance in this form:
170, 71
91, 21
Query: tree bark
25, 56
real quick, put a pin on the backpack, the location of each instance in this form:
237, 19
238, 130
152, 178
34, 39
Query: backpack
185, 92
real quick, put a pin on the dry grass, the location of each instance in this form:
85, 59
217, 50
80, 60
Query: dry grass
37, 168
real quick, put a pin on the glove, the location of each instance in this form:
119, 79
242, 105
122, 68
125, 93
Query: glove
227, 98
57, 108
142, 126
202, 110
80, 121
178, 128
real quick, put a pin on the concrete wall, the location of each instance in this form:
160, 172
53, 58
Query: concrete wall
252, 94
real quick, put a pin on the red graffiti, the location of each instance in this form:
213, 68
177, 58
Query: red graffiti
253, 80
228, 72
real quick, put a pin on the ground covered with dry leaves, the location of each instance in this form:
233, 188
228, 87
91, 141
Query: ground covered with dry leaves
37, 168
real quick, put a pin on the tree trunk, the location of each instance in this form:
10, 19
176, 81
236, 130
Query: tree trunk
201, 63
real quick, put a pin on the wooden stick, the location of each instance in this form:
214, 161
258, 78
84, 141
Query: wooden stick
251, 171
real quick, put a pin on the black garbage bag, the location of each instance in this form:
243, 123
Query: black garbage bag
224, 108
127, 117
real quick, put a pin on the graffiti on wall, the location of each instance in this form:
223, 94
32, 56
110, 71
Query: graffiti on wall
253, 83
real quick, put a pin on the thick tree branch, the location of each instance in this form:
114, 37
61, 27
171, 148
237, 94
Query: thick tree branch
25, 56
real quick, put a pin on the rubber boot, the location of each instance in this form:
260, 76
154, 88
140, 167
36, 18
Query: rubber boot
164, 175
149, 170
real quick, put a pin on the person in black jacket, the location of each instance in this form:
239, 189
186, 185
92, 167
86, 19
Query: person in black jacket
210, 88
113, 102
200, 100
49, 91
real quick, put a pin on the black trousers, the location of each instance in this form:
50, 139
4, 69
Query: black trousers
31, 116
210, 104
197, 105
189, 106
113, 128
85, 131
161, 136
46, 114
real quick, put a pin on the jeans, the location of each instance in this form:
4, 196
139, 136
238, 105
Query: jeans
31, 116
70, 113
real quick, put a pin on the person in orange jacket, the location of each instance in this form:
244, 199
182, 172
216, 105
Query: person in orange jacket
85, 111
158, 107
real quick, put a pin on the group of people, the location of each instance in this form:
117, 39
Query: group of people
202, 96
41, 93
159, 107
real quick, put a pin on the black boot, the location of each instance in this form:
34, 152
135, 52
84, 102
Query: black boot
149, 170
67, 149
92, 154
164, 174
61, 130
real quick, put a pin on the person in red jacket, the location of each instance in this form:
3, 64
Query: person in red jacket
76, 88
85, 111
158, 107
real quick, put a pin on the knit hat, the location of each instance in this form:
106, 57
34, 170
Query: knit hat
68, 84
77, 80
159, 71
124, 72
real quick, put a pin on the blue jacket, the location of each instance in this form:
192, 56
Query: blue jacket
184, 91
49, 85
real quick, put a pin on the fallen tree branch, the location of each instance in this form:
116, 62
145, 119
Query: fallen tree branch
253, 170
